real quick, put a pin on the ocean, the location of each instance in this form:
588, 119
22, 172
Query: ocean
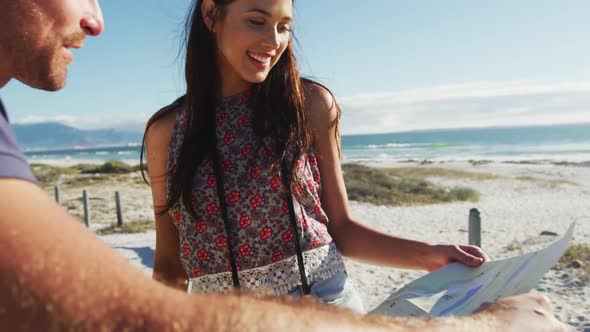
559, 143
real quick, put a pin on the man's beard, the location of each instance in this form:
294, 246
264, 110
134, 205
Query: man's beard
48, 70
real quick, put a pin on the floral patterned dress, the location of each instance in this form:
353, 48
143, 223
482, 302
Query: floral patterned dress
257, 209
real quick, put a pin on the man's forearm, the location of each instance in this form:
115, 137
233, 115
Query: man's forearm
55, 275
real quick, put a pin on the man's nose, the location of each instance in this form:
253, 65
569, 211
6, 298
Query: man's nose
92, 23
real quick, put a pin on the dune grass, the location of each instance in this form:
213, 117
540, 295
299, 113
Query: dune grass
109, 167
82, 174
577, 256
47, 174
400, 186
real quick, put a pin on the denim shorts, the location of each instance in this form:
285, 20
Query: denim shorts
337, 290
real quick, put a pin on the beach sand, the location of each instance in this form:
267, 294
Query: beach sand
523, 201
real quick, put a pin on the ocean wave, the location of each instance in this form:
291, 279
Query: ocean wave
389, 146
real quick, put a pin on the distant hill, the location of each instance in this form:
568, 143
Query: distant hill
53, 135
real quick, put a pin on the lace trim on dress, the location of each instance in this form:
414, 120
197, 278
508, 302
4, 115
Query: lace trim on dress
277, 278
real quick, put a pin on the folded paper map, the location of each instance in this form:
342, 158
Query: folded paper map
459, 290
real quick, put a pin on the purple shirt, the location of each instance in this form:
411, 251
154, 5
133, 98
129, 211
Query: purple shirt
12, 162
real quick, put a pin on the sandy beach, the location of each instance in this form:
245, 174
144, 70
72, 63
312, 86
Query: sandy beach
519, 203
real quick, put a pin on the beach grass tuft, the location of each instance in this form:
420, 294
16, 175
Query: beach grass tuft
513, 246
577, 256
47, 174
399, 186
83, 175
109, 167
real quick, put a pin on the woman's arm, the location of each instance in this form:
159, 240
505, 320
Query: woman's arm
167, 266
355, 239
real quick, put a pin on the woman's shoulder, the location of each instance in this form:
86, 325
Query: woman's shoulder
160, 127
320, 103
162, 123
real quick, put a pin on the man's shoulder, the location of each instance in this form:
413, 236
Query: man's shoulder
13, 163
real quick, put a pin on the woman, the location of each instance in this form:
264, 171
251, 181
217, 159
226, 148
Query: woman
245, 170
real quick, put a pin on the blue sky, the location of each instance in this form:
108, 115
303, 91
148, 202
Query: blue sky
393, 65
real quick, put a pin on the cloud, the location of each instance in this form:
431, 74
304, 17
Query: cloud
476, 104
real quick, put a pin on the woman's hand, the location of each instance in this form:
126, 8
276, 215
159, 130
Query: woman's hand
444, 254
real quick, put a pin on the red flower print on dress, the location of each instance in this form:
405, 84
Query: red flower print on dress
316, 177
186, 250
310, 185
313, 162
324, 220
227, 165
304, 224
277, 256
197, 272
256, 201
246, 150
285, 208
287, 236
255, 172
237, 267
221, 241
203, 255
245, 250
211, 181
315, 244
245, 221
212, 208
178, 217
229, 138
265, 233
276, 182
233, 196
222, 118
200, 227
267, 152
243, 121
317, 209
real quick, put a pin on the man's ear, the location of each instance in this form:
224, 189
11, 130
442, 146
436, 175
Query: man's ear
208, 13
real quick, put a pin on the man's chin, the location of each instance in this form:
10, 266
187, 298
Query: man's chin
53, 83
53, 87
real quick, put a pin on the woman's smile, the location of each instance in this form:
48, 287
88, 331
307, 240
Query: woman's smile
260, 60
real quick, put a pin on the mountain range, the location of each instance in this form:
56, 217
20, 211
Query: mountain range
54, 135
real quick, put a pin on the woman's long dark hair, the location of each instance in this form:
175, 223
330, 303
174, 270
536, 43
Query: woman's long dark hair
278, 104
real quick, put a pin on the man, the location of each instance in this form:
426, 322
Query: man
55, 275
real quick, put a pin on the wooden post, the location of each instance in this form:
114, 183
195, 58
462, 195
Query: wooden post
86, 208
56, 192
119, 212
474, 227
